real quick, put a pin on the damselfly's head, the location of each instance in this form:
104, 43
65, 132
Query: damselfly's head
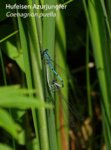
43, 52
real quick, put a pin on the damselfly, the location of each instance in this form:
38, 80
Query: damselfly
53, 85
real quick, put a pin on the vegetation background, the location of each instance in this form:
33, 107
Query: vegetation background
78, 39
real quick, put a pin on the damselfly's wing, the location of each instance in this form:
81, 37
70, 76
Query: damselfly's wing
75, 117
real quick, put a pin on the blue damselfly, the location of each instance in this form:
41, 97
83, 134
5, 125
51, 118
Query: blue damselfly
53, 85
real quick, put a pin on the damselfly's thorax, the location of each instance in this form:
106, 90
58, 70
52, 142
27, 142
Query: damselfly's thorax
45, 56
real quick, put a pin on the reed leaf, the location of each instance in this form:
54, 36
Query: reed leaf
95, 17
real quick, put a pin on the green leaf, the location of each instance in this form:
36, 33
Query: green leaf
5, 147
14, 97
11, 51
23, 102
8, 123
